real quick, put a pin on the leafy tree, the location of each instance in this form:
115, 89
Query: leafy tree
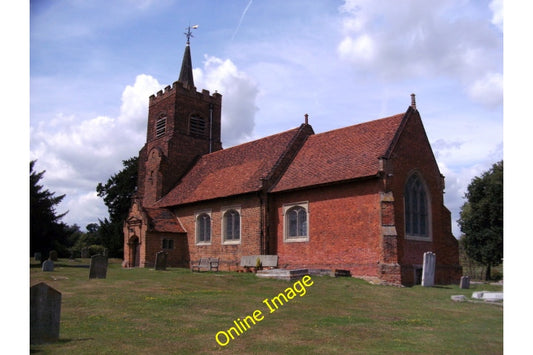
46, 230
481, 218
117, 194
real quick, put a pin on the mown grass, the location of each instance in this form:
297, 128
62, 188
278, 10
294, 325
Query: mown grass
138, 311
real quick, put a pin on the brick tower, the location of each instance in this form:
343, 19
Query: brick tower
183, 124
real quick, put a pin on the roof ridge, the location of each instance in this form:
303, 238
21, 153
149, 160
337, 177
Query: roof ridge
361, 124
251, 142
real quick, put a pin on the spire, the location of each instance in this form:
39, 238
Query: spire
186, 77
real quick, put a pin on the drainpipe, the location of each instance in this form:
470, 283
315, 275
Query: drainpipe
210, 128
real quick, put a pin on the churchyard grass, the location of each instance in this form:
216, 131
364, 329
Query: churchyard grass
143, 311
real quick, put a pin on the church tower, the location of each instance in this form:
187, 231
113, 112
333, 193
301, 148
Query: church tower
183, 124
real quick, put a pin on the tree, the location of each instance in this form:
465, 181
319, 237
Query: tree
117, 194
481, 218
46, 231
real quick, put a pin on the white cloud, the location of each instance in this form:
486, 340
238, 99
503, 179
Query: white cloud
239, 94
79, 155
488, 90
496, 6
425, 39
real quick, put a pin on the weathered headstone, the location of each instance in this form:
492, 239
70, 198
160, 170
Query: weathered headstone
465, 282
428, 269
52, 255
45, 312
85, 252
48, 265
37, 256
161, 260
98, 267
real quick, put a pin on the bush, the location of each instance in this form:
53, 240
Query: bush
96, 249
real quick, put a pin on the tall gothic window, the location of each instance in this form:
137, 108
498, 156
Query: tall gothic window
232, 225
416, 208
296, 222
203, 228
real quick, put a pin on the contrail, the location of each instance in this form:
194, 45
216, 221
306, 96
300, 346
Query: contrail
242, 18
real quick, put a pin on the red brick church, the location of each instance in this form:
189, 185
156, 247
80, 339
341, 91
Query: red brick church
366, 198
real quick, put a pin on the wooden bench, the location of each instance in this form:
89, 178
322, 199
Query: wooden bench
206, 263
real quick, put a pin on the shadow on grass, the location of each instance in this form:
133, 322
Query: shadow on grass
60, 265
60, 341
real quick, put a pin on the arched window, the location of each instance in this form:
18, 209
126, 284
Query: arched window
296, 222
231, 225
203, 228
416, 208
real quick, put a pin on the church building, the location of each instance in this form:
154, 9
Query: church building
367, 198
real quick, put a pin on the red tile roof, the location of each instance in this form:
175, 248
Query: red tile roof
342, 154
162, 220
231, 171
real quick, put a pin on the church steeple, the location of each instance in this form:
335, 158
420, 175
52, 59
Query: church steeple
186, 77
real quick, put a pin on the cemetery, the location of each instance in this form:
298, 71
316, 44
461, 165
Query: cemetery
138, 310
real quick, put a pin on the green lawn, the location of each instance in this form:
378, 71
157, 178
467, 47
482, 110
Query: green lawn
143, 311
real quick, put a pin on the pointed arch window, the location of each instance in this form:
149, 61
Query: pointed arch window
203, 228
296, 222
231, 225
417, 221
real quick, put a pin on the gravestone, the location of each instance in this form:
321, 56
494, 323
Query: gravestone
428, 269
85, 253
48, 265
45, 311
465, 282
98, 267
52, 255
161, 260
37, 256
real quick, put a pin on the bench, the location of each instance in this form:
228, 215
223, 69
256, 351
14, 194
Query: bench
270, 261
206, 263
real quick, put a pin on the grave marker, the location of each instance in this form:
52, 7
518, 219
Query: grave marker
98, 267
465, 282
48, 265
428, 269
45, 311
161, 260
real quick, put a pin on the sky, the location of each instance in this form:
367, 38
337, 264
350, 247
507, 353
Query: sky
93, 65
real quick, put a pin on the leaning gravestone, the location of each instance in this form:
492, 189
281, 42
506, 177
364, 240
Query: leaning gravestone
465, 282
428, 269
48, 265
45, 311
37, 256
161, 260
98, 267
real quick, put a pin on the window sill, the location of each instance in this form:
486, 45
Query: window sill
296, 240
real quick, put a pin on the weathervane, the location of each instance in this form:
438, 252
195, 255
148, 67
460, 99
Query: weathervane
188, 34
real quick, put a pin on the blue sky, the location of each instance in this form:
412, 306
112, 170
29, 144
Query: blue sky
93, 65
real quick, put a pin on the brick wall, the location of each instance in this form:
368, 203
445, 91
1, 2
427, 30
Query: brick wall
344, 226
413, 153
229, 254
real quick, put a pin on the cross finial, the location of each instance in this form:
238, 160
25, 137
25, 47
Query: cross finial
188, 34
